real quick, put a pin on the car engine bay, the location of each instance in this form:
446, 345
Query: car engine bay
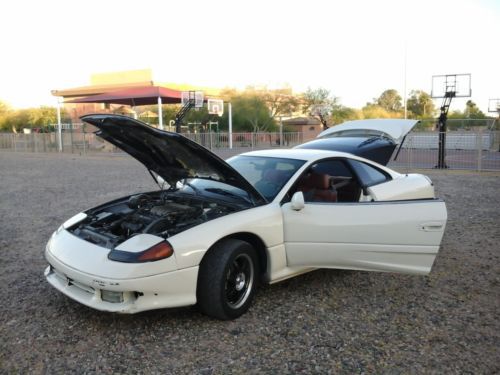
160, 213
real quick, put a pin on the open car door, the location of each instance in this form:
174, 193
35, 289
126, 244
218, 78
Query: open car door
393, 236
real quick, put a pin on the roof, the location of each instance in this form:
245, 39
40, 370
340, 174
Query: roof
97, 89
134, 96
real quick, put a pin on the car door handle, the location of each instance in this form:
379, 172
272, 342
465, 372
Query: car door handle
432, 226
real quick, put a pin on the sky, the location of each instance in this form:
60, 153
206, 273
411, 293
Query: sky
355, 49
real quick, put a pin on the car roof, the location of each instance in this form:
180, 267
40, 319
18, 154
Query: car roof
299, 154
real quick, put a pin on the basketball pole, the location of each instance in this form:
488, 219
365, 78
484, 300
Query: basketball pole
160, 114
230, 123
404, 96
447, 86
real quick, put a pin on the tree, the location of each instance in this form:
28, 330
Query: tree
473, 111
420, 104
341, 113
390, 100
4, 112
41, 117
372, 110
4, 108
319, 103
250, 112
281, 102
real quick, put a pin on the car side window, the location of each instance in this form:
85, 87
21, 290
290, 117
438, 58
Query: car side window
328, 181
368, 175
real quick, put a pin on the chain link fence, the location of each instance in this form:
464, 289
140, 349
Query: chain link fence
470, 144
75, 139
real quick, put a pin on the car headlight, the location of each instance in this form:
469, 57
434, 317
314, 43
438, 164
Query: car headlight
159, 251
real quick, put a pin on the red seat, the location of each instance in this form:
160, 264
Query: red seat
316, 188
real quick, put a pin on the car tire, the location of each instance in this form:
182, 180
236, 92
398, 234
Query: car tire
227, 279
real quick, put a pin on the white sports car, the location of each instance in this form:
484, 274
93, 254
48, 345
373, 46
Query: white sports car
215, 229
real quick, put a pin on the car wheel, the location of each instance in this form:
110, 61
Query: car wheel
227, 279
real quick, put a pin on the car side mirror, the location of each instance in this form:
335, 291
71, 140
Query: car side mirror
298, 201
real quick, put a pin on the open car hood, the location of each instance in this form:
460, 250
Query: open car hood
396, 129
172, 156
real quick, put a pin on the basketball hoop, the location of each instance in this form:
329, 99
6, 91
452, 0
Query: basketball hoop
451, 85
494, 106
215, 107
192, 96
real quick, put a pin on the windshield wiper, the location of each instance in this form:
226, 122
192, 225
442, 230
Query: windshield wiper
369, 140
195, 189
228, 193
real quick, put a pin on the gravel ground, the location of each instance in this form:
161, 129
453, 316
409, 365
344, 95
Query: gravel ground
327, 321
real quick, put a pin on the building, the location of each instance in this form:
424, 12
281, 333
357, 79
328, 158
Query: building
310, 127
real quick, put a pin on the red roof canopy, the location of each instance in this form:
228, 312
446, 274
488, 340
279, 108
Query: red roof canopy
134, 96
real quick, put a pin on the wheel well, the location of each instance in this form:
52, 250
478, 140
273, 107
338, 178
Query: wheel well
256, 243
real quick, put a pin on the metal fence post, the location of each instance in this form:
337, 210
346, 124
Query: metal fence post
71, 137
84, 140
479, 143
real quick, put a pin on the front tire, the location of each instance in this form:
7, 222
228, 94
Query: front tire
227, 279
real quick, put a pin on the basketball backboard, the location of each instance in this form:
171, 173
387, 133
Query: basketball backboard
454, 85
197, 96
494, 105
215, 107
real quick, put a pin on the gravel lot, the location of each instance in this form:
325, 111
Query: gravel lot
321, 322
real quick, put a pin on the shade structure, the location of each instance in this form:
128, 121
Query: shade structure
134, 96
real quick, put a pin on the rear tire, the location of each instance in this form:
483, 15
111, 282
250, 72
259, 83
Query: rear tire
227, 279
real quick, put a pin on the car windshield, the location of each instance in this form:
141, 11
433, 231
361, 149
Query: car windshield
267, 175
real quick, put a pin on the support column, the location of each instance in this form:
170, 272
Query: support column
281, 131
59, 125
230, 120
160, 114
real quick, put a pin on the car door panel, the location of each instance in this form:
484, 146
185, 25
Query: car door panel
398, 236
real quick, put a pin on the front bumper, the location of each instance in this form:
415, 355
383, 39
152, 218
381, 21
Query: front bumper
170, 289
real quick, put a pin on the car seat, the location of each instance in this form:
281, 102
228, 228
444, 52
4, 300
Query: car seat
316, 187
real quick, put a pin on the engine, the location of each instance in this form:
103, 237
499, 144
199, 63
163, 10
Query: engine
153, 213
